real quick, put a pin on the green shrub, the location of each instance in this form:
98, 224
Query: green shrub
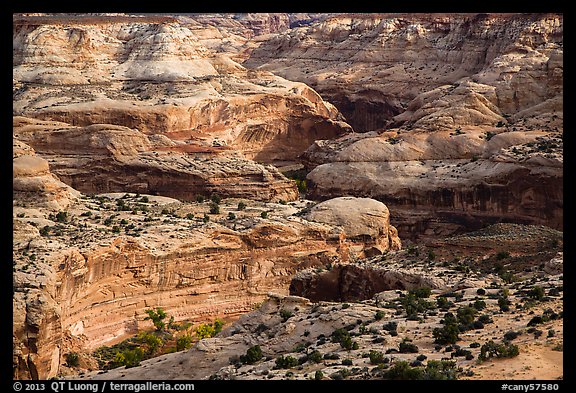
150, 341
503, 350
379, 315
128, 358
207, 330
264, 214
447, 334
318, 375
72, 359
183, 342
302, 185
190, 216
286, 362
485, 319
511, 335
443, 303
422, 292
504, 304
215, 198
214, 208
342, 336
241, 206
231, 216
479, 305
285, 314
401, 370
537, 292
376, 357
253, 355
390, 326
157, 317
407, 347
315, 356
62, 216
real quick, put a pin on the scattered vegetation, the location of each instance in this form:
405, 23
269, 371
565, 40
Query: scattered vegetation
286, 362
503, 350
207, 330
434, 370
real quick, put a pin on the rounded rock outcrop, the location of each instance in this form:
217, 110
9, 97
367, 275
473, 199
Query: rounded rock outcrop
361, 219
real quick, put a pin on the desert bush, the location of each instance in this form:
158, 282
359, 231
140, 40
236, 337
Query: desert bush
503, 350
407, 347
183, 342
241, 206
376, 357
443, 303
315, 356
214, 208
537, 292
157, 317
390, 326
215, 198
504, 303
285, 314
447, 334
479, 305
72, 359
207, 330
286, 362
318, 375
253, 355
511, 335
422, 292
379, 315
128, 358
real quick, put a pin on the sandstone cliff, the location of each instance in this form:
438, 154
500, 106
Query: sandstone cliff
379, 325
466, 114
157, 78
87, 267
435, 71
439, 183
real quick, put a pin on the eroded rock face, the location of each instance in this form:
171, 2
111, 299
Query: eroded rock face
439, 183
357, 282
104, 158
361, 219
433, 71
157, 78
85, 278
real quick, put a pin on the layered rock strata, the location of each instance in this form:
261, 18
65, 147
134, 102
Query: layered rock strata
293, 326
442, 183
87, 267
157, 78
433, 71
102, 158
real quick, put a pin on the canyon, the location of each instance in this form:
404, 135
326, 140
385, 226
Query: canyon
234, 165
